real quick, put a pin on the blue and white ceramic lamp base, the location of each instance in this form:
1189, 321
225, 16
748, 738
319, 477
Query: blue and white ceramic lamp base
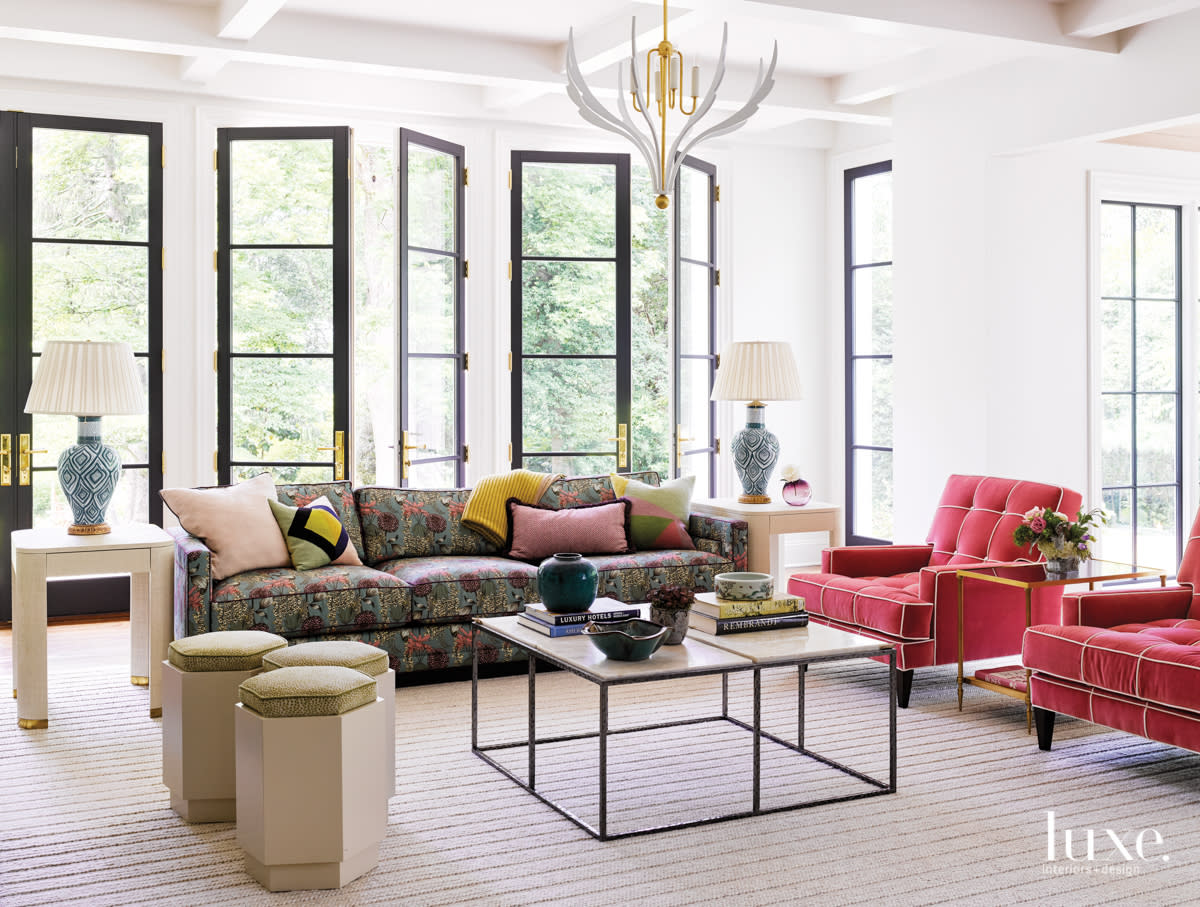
88, 472
755, 453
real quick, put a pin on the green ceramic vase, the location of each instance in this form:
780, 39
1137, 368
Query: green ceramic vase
567, 582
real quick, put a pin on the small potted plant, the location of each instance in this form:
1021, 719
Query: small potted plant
1064, 542
670, 606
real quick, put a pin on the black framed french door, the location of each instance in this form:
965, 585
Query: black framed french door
81, 258
695, 305
283, 303
431, 329
571, 323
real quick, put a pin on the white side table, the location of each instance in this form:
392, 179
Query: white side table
769, 523
146, 553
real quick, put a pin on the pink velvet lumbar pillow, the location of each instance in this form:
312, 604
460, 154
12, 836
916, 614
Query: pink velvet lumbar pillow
538, 532
235, 522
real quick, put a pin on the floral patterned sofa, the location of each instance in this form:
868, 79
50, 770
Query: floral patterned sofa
425, 575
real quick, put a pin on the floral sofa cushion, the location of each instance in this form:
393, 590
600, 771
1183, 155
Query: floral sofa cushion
462, 587
628, 577
307, 602
579, 490
402, 522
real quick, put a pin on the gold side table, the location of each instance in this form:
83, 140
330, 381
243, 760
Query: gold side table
1090, 572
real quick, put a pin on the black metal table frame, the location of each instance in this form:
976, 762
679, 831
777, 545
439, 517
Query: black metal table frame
600, 832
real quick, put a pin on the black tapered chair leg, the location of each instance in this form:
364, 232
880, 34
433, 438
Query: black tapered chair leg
1043, 720
903, 687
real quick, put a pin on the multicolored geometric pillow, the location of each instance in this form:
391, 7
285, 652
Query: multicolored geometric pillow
314, 535
660, 512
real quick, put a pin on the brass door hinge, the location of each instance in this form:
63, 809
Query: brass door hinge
164, 463
466, 453
216, 468
215, 154
215, 268
510, 451
717, 277
718, 360
466, 176
510, 179
717, 445
164, 362
466, 269
466, 362
510, 270
216, 368
510, 360
164, 157
164, 258
716, 193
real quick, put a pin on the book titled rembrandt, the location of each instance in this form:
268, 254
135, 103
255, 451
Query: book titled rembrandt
722, 608
721, 627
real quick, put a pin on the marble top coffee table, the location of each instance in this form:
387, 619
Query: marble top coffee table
699, 655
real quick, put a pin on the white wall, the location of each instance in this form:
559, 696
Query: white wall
991, 292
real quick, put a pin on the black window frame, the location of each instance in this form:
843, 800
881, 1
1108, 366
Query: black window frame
710, 445
623, 323
853, 537
409, 137
1133, 487
340, 136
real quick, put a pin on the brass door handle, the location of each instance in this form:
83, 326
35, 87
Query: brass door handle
5, 459
679, 440
25, 458
405, 447
339, 455
622, 440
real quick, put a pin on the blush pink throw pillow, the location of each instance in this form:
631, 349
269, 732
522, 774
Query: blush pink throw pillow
538, 532
235, 522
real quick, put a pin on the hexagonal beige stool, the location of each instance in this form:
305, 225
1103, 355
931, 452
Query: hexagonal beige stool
311, 811
200, 681
362, 657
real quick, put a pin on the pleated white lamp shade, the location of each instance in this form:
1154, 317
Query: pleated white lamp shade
757, 370
86, 378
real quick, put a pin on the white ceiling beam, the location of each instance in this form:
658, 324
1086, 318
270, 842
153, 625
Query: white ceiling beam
201, 70
1091, 18
916, 70
1028, 25
243, 19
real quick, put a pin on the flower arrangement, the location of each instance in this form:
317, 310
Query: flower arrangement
671, 598
789, 472
1058, 536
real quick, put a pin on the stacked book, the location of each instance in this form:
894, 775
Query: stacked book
557, 623
719, 616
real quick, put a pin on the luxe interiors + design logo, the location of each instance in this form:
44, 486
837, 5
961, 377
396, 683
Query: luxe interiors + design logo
1105, 850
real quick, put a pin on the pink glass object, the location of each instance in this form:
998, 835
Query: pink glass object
797, 493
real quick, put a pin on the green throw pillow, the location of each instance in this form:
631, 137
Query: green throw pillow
659, 515
314, 534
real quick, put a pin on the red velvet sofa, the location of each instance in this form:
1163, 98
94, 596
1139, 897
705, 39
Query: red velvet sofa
1128, 660
908, 594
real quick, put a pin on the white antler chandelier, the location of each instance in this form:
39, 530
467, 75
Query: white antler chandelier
664, 71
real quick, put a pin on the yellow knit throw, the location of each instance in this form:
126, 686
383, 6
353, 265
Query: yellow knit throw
486, 511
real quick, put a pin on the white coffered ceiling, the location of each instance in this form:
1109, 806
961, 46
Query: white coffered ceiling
839, 60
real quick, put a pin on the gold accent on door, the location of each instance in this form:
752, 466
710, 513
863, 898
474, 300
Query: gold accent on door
215, 268
215, 358
622, 440
215, 153
466, 269
164, 157
717, 277
510, 270
216, 467
164, 258
717, 445
466, 453
466, 362
405, 459
164, 362
164, 463
25, 456
510, 452
510, 360
5, 459
716, 193
339, 455
510, 179
466, 176
679, 439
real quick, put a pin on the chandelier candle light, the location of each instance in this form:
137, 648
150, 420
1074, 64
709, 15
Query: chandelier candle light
663, 90
87, 380
756, 371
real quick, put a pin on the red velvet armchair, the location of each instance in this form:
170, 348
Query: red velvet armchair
1128, 660
908, 594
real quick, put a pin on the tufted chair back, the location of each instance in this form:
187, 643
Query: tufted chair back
976, 517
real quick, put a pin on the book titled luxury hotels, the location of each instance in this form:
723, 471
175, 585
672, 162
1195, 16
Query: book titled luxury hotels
601, 609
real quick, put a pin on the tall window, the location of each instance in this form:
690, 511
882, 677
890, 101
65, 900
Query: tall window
695, 316
1140, 381
283, 303
868, 287
81, 258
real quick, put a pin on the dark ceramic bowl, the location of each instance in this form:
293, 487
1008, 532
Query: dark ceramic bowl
626, 640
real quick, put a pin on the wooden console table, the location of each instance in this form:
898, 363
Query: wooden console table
769, 523
145, 552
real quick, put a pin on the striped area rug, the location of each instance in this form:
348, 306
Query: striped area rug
84, 817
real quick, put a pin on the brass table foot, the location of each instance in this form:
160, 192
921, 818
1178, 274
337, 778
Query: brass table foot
33, 724
138, 681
